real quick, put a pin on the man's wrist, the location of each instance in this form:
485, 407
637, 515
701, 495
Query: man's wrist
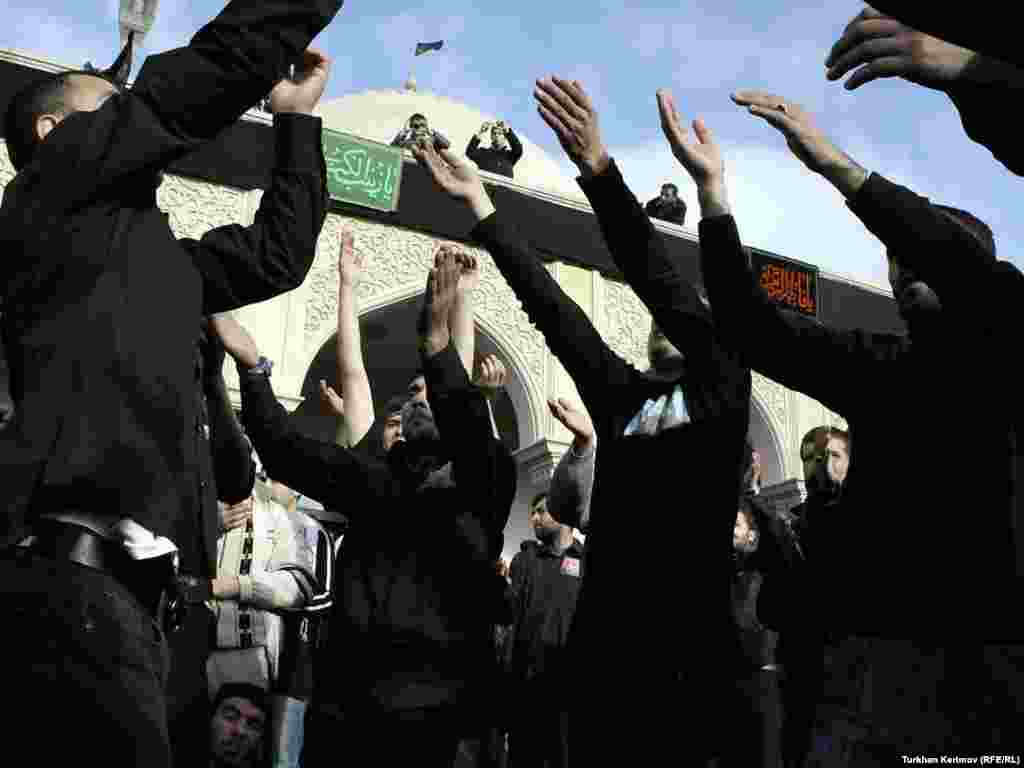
481, 205
254, 365
713, 198
582, 444
595, 166
435, 341
846, 175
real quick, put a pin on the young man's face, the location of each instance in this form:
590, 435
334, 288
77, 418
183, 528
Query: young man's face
236, 733
836, 455
668, 193
392, 430
543, 524
419, 126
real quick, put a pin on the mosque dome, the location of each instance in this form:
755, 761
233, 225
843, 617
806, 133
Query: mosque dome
380, 114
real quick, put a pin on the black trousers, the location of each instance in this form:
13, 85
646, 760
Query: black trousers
539, 724
756, 713
85, 666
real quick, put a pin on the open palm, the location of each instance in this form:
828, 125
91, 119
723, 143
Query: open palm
698, 153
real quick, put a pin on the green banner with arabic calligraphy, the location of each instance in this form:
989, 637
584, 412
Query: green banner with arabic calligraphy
791, 284
362, 172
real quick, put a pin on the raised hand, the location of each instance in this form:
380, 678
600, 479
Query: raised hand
331, 402
302, 93
238, 342
805, 139
469, 270
456, 176
350, 263
576, 421
884, 47
490, 376
235, 515
442, 285
567, 109
702, 158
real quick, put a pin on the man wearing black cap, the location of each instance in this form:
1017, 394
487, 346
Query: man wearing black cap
926, 538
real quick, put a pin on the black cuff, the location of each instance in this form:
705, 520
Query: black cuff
444, 372
298, 142
593, 185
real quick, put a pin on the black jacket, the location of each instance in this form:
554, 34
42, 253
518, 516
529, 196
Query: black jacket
101, 303
622, 603
545, 584
658, 209
494, 159
416, 592
928, 537
990, 28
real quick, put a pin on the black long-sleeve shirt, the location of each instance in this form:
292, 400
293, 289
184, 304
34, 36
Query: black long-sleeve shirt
681, 483
928, 538
101, 304
416, 593
990, 28
500, 160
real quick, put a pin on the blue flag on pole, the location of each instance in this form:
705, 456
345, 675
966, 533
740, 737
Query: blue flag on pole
424, 47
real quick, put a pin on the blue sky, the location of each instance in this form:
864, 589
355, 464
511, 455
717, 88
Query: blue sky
701, 50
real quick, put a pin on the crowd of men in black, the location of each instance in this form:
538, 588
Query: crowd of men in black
874, 622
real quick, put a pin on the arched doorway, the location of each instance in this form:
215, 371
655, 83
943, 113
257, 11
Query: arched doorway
391, 357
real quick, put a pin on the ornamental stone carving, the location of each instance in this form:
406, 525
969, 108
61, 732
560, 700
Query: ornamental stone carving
195, 207
627, 323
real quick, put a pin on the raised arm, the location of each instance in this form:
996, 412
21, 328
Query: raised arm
323, 471
461, 320
483, 469
473, 147
573, 479
875, 46
921, 237
515, 145
352, 378
243, 265
637, 248
566, 328
184, 97
793, 350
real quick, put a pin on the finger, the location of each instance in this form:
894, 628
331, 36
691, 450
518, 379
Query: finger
671, 126
860, 30
565, 404
565, 136
553, 106
774, 117
746, 98
323, 387
703, 133
888, 66
575, 92
867, 51
561, 92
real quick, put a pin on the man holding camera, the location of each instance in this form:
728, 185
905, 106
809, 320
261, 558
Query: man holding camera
502, 155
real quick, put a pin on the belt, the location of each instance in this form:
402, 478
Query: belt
150, 581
